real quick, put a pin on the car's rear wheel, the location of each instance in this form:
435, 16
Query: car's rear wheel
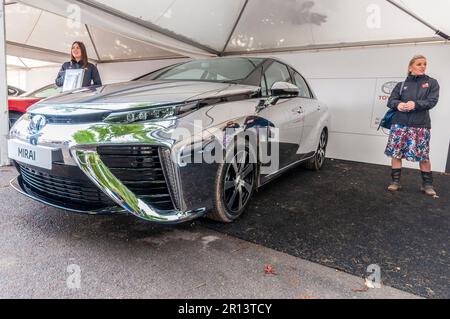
235, 184
316, 163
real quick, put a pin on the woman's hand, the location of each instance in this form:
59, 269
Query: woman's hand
407, 107
402, 107
411, 106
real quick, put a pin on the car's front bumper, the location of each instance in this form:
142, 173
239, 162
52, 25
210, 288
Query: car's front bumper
78, 146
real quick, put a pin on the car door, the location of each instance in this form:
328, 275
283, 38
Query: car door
311, 116
286, 115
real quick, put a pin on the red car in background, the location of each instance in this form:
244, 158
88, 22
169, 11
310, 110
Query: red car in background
18, 105
13, 91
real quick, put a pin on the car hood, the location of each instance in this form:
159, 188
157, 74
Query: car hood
122, 96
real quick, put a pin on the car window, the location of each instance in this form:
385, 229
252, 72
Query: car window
277, 72
301, 83
11, 91
220, 70
197, 74
48, 92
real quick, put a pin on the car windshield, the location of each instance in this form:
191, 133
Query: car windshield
43, 93
215, 70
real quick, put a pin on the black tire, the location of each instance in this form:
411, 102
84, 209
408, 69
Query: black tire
316, 163
13, 117
235, 185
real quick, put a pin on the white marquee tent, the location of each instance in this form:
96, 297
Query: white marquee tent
117, 30
136, 30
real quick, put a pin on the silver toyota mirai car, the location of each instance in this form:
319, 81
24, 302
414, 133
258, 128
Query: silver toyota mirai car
192, 139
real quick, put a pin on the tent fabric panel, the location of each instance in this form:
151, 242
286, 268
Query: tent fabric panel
44, 35
434, 12
209, 22
13, 61
20, 21
111, 46
94, 16
273, 24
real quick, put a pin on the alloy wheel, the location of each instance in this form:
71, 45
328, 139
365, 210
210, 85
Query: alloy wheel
322, 149
239, 182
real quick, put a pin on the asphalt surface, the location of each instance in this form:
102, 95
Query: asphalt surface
343, 217
43, 249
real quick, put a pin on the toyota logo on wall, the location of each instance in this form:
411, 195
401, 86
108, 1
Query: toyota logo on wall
388, 87
37, 123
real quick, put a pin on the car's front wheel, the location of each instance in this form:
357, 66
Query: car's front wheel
235, 184
316, 163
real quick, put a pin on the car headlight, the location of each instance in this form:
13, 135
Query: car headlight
150, 114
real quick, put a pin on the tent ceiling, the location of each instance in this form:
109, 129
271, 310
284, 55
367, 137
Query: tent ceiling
51, 32
210, 23
117, 30
320, 23
434, 12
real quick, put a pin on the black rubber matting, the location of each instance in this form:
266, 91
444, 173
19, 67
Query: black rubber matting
343, 217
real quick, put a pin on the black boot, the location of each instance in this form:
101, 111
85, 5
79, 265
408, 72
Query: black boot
395, 185
427, 184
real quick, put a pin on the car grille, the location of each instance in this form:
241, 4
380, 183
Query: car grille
139, 168
66, 192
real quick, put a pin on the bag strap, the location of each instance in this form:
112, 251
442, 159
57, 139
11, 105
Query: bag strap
401, 88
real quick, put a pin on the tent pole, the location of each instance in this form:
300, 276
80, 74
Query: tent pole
93, 43
234, 27
4, 116
405, 10
147, 25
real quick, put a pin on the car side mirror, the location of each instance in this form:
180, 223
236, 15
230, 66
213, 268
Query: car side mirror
284, 90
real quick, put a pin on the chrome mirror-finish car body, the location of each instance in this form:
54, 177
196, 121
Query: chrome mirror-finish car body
166, 147
284, 89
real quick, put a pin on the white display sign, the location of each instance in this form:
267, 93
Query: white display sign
38, 156
73, 79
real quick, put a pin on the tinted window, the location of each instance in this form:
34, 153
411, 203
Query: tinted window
219, 70
45, 92
48, 92
301, 83
277, 72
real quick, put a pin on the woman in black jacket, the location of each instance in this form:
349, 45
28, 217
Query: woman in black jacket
411, 127
79, 60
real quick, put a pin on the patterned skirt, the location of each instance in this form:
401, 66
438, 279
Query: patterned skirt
410, 143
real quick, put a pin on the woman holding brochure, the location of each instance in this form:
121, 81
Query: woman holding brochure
78, 72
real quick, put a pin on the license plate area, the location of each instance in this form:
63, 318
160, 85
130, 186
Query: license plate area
34, 155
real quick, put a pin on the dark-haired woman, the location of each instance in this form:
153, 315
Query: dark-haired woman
411, 129
79, 60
